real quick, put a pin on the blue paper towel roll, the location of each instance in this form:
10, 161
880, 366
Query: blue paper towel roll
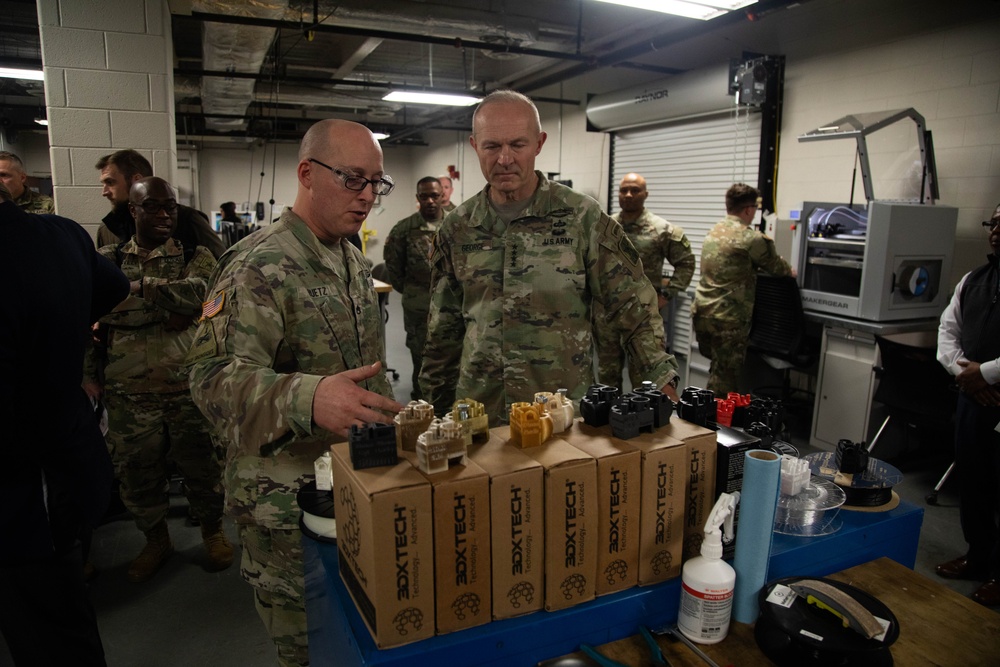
758, 500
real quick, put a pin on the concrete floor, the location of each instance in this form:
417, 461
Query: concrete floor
186, 616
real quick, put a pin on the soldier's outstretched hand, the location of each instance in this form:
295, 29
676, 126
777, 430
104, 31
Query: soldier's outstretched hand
340, 402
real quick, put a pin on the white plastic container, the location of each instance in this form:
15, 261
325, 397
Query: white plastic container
708, 582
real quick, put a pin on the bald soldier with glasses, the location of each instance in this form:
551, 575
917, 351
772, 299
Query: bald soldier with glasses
288, 356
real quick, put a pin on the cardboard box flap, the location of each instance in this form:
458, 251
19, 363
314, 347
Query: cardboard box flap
499, 454
685, 430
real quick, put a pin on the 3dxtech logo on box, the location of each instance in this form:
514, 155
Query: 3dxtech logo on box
571, 519
618, 473
699, 469
385, 547
461, 508
516, 516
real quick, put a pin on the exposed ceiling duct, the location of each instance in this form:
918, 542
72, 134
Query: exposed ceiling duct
236, 48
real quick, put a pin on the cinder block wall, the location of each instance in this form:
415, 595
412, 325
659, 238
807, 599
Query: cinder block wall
108, 85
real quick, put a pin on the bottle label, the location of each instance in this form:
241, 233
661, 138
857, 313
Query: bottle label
704, 614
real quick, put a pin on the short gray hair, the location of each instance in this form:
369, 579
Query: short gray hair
507, 96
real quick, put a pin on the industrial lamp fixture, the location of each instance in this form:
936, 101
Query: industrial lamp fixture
692, 9
440, 99
17, 73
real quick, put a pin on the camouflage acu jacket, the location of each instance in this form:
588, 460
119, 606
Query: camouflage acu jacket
731, 256
519, 299
283, 311
656, 240
148, 335
407, 255
34, 202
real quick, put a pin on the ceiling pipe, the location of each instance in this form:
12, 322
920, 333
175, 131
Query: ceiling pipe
615, 58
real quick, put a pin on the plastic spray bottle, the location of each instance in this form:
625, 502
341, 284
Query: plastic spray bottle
707, 581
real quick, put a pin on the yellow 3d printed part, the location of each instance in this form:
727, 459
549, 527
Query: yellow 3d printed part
471, 414
530, 425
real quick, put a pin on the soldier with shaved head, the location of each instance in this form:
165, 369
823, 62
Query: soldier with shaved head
289, 356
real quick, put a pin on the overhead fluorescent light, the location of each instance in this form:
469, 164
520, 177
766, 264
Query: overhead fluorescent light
15, 73
42, 121
442, 99
704, 10
379, 136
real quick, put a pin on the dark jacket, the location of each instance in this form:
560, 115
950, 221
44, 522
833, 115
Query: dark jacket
56, 470
193, 228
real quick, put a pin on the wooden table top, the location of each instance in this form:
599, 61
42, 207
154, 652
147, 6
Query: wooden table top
381, 287
937, 626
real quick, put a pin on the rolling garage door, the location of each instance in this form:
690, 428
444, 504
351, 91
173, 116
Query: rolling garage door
688, 167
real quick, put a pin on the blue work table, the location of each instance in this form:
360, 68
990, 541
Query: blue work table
338, 635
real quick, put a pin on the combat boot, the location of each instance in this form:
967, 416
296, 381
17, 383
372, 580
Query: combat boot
220, 551
158, 548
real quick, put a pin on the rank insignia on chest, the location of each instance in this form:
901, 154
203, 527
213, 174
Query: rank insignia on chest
211, 308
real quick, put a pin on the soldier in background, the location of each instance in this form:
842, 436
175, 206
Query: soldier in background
152, 420
289, 354
655, 240
447, 187
407, 256
517, 269
15, 178
119, 170
731, 257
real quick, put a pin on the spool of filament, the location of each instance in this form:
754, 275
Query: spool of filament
870, 488
812, 511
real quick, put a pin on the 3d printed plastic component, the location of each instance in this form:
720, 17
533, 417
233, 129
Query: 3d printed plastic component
662, 406
530, 425
558, 407
440, 445
697, 406
471, 415
323, 467
794, 475
411, 422
595, 407
630, 416
373, 445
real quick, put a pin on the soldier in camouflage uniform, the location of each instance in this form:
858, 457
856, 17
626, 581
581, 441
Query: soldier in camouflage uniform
731, 256
517, 269
655, 240
288, 356
447, 187
151, 418
13, 176
407, 255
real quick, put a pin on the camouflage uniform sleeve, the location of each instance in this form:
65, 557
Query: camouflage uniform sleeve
252, 405
629, 302
445, 331
678, 252
185, 294
765, 256
394, 256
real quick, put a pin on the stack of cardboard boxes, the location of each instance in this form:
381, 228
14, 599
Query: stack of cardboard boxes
517, 530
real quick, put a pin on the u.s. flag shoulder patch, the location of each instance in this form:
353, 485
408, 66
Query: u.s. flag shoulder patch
211, 308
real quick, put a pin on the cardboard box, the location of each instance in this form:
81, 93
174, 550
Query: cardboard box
619, 466
700, 474
661, 508
386, 547
517, 521
731, 448
570, 521
462, 589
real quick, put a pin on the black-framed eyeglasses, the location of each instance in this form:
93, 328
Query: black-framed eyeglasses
991, 224
154, 207
382, 186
